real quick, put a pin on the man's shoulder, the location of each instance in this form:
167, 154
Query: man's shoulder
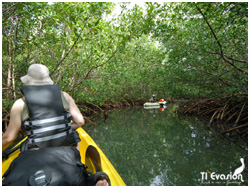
66, 95
18, 105
19, 102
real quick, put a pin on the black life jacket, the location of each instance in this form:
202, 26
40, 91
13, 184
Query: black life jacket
54, 166
48, 124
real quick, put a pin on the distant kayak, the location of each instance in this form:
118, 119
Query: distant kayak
155, 104
91, 155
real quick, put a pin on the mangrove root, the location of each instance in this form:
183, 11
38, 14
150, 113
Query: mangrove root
232, 110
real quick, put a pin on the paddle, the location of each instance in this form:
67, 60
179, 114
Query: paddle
5, 154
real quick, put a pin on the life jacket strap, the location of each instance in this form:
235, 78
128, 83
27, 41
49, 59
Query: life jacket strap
45, 129
46, 138
43, 121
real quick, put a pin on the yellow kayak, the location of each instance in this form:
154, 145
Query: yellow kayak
91, 155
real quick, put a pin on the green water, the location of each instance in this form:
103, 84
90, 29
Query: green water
154, 148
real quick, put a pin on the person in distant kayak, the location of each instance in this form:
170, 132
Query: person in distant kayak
45, 112
152, 99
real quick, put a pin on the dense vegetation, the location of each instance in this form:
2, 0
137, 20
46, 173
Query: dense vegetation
177, 50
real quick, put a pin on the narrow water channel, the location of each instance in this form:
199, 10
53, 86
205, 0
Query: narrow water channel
154, 148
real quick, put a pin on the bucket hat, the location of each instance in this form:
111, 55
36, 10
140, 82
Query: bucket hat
38, 74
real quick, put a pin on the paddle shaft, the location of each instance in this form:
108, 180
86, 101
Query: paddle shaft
6, 154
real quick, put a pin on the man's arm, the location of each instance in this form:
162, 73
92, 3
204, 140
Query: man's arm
77, 117
14, 125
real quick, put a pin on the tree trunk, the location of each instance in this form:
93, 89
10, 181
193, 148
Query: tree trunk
39, 36
13, 59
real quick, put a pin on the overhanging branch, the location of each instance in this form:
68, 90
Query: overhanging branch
60, 62
219, 44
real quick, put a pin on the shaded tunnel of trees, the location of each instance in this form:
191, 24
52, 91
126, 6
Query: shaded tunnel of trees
181, 51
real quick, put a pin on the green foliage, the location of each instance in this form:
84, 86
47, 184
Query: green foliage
167, 49
194, 54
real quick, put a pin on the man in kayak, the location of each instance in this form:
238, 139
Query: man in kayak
45, 113
48, 115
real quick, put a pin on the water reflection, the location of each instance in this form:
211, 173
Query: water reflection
160, 148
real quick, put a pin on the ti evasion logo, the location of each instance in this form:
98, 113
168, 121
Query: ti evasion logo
235, 177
